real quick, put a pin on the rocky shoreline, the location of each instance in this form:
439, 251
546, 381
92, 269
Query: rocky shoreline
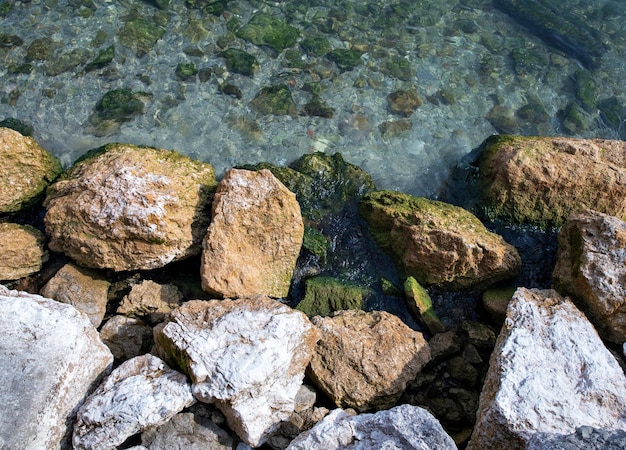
149, 306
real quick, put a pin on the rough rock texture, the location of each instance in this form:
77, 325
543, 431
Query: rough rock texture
365, 360
126, 337
254, 239
124, 207
151, 300
542, 180
585, 438
84, 289
26, 170
590, 268
51, 359
22, 251
141, 392
438, 243
549, 373
247, 355
402, 427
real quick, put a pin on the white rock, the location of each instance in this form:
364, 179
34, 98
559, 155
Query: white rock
141, 392
51, 358
548, 373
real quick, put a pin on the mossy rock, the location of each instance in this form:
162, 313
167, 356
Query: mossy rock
119, 105
275, 100
612, 112
209, 6
41, 49
186, 71
496, 301
323, 295
574, 119
346, 59
264, 29
66, 61
317, 107
586, 90
10, 40
102, 59
315, 46
240, 61
17, 125
142, 34
421, 306
315, 242
400, 68
6, 6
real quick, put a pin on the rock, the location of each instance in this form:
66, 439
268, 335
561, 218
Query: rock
495, 301
345, 58
365, 360
126, 337
125, 207
52, 358
438, 243
247, 355
393, 128
22, 251
27, 169
140, 393
142, 33
584, 438
266, 29
324, 295
401, 427
275, 100
590, 268
84, 289
541, 181
318, 107
254, 238
403, 103
240, 61
549, 373
421, 306
151, 300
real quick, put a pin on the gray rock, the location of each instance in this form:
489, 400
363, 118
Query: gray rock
585, 438
51, 359
126, 337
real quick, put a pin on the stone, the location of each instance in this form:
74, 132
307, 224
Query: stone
421, 306
543, 180
52, 358
266, 29
140, 393
240, 61
126, 337
590, 268
151, 300
401, 427
438, 243
254, 238
365, 360
142, 33
345, 58
275, 100
584, 438
22, 251
495, 301
403, 103
26, 170
125, 207
549, 373
324, 295
84, 289
248, 356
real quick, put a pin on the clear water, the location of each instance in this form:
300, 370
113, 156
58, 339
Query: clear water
473, 66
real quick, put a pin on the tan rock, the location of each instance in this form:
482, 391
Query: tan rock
254, 238
22, 251
127, 208
84, 289
542, 180
590, 268
438, 243
150, 299
126, 337
26, 170
365, 360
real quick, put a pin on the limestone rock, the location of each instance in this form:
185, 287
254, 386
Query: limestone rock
402, 427
125, 207
549, 373
126, 337
22, 251
247, 355
84, 289
51, 359
542, 181
150, 299
438, 243
141, 392
26, 170
590, 268
365, 360
254, 238
584, 438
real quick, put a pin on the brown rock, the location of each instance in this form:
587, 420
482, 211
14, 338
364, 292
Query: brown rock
127, 208
590, 268
365, 360
22, 251
84, 289
26, 170
150, 299
403, 103
126, 337
254, 238
542, 181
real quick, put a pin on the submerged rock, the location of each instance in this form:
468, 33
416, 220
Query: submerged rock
275, 100
22, 251
265, 29
140, 34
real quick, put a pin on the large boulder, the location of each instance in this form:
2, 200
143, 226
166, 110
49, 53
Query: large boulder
542, 180
438, 243
365, 360
402, 427
248, 356
140, 393
590, 268
125, 207
26, 170
254, 238
22, 251
549, 373
51, 359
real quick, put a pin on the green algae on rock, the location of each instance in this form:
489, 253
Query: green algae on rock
346, 59
240, 61
102, 59
325, 295
421, 306
275, 100
142, 33
264, 29
317, 107
115, 107
315, 45
186, 71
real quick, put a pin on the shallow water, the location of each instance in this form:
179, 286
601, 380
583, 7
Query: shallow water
475, 68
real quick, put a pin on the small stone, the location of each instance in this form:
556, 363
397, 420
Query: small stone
240, 61
265, 29
151, 300
275, 100
403, 103
126, 337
